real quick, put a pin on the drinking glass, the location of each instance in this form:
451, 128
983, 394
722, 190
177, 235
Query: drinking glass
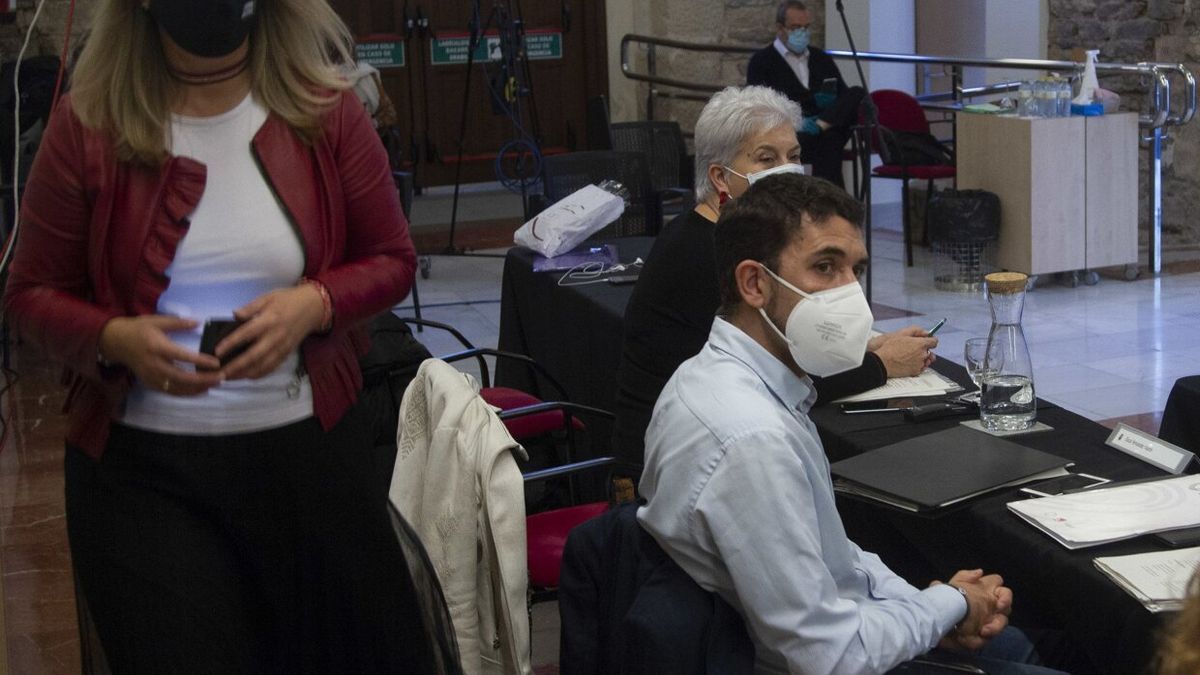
980, 360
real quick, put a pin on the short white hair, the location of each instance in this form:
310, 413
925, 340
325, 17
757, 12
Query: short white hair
732, 116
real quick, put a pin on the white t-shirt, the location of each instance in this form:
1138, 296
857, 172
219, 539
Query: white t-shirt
240, 245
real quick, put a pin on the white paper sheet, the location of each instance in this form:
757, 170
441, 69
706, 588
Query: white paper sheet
1105, 514
1157, 579
928, 383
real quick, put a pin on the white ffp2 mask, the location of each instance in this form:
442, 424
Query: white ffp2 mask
755, 176
827, 331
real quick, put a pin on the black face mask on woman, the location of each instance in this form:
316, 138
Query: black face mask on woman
208, 28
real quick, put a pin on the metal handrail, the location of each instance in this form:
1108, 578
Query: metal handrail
1155, 121
1160, 113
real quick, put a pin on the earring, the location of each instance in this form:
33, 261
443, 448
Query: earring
722, 197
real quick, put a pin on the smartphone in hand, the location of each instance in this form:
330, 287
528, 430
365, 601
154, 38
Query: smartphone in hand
216, 330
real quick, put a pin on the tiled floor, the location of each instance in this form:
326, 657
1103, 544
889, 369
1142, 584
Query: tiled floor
1106, 351
1109, 350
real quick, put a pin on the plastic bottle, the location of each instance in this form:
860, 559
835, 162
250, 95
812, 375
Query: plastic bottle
1048, 103
1039, 97
1089, 84
1007, 401
1025, 106
1064, 98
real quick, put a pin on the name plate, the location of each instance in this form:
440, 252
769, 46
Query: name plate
1149, 449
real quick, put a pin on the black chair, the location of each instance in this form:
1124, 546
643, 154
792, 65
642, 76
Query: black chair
404, 185
566, 173
1180, 422
671, 172
599, 132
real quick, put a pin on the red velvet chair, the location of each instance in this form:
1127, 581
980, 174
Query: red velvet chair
899, 111
527, 417
548, 420
546, 532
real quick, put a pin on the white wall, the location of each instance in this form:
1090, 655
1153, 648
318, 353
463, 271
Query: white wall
877, 26
1015, 29
624, 95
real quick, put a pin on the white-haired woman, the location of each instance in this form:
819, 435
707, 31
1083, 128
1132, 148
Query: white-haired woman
209, 163
742, 135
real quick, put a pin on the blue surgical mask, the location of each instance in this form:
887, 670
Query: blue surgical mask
797, 40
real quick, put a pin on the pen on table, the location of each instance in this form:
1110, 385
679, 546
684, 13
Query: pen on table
937, 326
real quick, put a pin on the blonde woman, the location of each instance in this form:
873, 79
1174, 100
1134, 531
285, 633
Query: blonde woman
1180, 653
209, 164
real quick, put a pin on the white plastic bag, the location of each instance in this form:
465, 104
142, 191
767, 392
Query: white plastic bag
570, 220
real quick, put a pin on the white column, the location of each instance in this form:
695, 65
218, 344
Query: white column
877, 26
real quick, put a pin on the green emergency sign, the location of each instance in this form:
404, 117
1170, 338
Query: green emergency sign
381, 54
539, 45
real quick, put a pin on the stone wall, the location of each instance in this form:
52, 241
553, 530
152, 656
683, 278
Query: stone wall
1129, 31
47, 38
730, 22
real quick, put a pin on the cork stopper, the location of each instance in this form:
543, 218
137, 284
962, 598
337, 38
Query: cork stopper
1005, 283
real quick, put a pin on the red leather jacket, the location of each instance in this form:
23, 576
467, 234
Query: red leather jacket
97, 235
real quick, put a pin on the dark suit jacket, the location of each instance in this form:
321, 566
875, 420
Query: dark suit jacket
769, 69
628, 609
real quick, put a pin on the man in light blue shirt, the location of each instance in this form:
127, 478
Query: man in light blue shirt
738, 486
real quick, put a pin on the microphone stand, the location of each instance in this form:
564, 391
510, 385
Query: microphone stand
865, 135
477, 28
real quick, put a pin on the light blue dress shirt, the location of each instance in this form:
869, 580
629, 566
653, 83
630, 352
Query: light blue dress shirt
739, 495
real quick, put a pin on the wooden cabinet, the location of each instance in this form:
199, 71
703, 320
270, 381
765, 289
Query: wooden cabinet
1067, 186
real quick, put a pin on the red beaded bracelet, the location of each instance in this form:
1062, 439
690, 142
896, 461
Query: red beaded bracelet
326, 304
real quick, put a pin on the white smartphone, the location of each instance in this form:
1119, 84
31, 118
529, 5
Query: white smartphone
1062, 484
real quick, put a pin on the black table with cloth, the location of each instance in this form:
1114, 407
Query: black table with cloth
1050, 583
576, 332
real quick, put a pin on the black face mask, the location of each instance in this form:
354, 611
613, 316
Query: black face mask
208, 28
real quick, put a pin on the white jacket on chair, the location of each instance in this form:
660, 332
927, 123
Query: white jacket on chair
456, 482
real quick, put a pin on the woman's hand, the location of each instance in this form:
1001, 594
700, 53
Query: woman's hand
905, 352
275, 324
140, 343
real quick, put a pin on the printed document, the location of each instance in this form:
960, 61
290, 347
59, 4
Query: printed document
1104, 514
1158, 579
928, 383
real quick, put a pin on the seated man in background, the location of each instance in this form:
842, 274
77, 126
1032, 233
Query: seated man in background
741, 134
808, 76
737, 484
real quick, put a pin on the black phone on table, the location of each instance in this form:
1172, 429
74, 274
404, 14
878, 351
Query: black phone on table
216, 330
877, 406
1057, 486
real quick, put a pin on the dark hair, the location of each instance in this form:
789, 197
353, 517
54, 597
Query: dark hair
781, 13
770, 215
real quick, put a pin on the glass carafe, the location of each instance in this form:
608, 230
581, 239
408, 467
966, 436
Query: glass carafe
1007, 402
